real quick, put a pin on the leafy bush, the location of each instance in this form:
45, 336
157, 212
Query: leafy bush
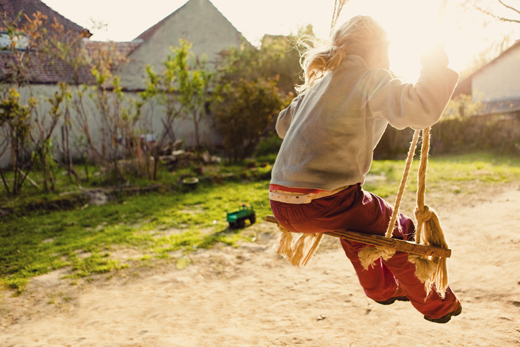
462, 128
269, 145
15, 127
244, 111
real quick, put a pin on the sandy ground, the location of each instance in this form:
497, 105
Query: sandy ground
248, 296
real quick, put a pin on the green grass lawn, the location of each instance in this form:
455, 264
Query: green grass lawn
40, 242
96, 179
449, 174
157, 224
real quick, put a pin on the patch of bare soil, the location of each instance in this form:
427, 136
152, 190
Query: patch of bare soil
249, 296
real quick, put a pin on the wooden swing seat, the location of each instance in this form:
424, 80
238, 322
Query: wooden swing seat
376, 240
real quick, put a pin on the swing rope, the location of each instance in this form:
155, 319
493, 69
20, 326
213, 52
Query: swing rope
369, 255
402, 185
430, 269
338, 6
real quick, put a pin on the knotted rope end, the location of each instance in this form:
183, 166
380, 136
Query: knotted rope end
369, 255
300, 252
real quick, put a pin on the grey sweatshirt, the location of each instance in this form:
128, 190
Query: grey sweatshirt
331, 129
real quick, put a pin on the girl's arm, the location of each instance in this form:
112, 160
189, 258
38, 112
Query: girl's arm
284, 121
407, 105
285, 117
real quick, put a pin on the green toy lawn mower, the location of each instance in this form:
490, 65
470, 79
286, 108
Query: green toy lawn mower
237, 219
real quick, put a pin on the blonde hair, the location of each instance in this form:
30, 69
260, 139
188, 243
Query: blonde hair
360, 35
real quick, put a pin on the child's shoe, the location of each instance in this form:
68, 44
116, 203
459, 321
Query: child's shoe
446, 318
392, 300
399, 295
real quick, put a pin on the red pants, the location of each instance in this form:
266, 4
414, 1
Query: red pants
356, 210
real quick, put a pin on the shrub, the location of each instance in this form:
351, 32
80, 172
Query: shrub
461, 129
269, 145
244, 111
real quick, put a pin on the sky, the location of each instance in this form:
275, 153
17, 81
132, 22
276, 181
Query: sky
412, 25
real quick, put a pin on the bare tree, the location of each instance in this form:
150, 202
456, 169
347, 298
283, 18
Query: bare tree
488, 8
486, 55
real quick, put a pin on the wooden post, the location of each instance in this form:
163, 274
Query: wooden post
376, 240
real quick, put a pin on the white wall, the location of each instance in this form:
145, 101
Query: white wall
151, 122
499, 80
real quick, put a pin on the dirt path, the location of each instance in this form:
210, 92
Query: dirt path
250, 297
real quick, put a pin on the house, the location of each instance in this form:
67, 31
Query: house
210, 33
10, 9
18, 13
496, 83
198, 21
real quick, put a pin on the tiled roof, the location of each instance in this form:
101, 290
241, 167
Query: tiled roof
150, 31
43, 72
501, 106
52, 72
123, 49
153, 29
9, 10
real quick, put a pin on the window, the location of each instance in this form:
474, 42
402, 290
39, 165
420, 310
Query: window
21, 42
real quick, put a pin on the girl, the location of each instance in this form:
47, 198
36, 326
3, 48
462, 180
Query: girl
330, 130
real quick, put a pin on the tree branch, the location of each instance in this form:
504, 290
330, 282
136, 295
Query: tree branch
65, 167
5, 182
509, 6
507, 19
25, 176
503, 19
